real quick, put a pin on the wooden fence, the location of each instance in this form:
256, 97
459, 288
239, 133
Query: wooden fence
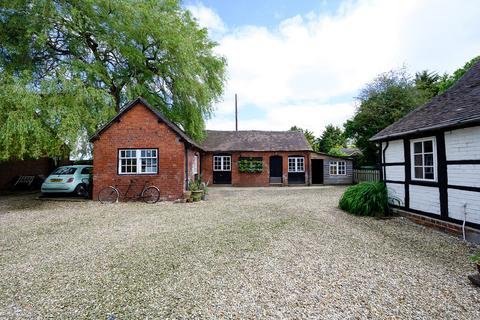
365, 175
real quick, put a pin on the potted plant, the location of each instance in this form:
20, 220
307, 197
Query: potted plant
195, 187
476, 259
475, 278
205, 190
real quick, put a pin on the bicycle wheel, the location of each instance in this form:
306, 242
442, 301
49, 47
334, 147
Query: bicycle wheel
151, 194
108, 195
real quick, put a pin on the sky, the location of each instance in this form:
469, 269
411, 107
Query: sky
303, 62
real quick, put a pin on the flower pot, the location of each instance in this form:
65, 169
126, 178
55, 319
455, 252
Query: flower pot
197, 195
204, 196
187, 194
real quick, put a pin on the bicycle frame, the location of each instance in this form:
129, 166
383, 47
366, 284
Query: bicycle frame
132, 184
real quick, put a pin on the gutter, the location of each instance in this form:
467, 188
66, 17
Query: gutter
425, 129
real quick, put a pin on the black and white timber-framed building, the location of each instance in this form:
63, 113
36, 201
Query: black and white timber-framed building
430, 158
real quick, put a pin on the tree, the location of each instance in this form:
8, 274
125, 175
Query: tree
382, 102
337, 152
308, 135
448, 81
427, 83
332, 137
91, 57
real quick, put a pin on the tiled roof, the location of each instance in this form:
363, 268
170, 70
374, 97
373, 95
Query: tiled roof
255, 141
459, 105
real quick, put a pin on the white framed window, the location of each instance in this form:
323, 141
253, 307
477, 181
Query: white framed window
296, 164
338, 168
137, 161
195, 165
222, 163
423, 159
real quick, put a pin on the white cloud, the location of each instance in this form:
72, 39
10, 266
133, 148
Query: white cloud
283, 117
299, 71
207, 18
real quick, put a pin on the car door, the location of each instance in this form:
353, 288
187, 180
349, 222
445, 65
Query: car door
86, 175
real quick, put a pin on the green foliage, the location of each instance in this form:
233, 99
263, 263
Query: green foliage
366, 199
475, 258
336, 152
427, 83
250, 165
96, 56
331, 137
195, 185
308, 135
388, 98
448, 81
47, 122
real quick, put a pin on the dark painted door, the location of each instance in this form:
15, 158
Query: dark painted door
222, 177
276, 171
222, 169
317, 171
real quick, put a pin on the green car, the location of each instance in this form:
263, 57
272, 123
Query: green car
69, 179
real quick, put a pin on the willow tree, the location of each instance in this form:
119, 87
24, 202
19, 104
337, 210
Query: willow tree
68, 66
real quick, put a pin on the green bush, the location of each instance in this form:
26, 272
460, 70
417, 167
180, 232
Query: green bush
366, 199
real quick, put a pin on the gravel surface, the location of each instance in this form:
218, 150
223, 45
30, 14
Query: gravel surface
244, 253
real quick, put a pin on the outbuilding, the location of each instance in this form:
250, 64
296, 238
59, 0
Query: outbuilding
140, 144
431, 157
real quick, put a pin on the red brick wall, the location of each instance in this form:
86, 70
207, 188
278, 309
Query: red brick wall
11, 169
191, 155
139, 128
254, 179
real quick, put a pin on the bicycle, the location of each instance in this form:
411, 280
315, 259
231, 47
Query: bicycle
111, 194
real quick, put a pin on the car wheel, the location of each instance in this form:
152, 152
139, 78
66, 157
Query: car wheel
81, 190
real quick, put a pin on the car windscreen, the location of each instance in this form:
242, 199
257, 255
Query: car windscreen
64, 170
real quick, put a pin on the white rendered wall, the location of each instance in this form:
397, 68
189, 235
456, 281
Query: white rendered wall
456, 201
464, 175
395, 173
426, 199
396, 191
394, 152
463, 144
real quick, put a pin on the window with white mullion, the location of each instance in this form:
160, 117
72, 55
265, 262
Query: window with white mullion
296, 164
423, 159
338, 168
222, 163
137, 161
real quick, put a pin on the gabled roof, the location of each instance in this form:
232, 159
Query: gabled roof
255, 140
157, 113
351, 151
459, 105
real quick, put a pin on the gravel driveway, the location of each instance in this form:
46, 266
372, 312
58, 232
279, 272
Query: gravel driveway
245, 253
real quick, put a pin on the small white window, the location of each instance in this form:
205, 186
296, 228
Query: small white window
137, 161
296, 164
195, 164
423, 155
222, 163
338, 168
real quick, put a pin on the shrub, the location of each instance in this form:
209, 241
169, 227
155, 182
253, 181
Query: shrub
366, 199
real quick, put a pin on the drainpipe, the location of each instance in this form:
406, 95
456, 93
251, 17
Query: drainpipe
186, 167
382, 161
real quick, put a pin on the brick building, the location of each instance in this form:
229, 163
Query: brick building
141, 144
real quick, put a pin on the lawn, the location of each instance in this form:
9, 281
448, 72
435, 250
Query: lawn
245, 253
